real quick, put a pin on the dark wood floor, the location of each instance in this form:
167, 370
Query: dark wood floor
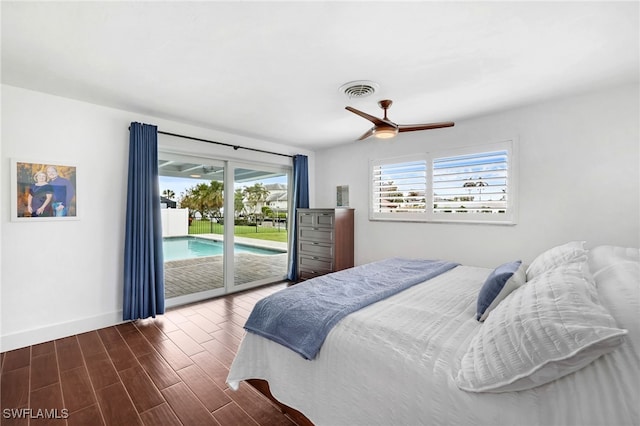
165, 371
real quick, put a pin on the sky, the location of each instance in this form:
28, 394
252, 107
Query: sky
178, 185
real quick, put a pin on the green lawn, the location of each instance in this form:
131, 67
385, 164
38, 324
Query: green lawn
269, 233
270, 236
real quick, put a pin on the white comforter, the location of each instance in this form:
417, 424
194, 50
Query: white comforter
393, 363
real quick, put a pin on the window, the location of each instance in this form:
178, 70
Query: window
399, 187
474, 184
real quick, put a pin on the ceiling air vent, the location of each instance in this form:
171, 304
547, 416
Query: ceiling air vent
359, 89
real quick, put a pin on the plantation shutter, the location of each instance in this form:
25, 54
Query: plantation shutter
473, 183
398, 187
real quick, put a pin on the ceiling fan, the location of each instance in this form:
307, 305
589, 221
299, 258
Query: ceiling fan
384, 128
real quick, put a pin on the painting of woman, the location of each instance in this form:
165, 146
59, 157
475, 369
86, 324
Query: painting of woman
40, 196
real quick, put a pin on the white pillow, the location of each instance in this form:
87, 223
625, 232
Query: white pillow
546, 329
601, 257
570, 252
619, 290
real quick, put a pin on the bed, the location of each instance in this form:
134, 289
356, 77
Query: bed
558, 344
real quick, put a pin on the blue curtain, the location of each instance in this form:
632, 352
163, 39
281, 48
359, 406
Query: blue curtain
143, 263
300, 200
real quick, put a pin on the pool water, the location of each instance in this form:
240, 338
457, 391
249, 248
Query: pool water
180, 248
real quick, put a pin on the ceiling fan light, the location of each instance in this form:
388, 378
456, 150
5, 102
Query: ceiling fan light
385, 132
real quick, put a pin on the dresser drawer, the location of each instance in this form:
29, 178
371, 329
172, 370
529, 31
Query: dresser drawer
316, 234
308, 274
306, 219
314, 263
316, 249
325, 219
316, 219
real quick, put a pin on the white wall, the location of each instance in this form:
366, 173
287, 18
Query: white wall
63, 278
578, 180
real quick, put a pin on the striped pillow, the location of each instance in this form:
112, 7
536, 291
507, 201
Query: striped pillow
550, 327
557, 256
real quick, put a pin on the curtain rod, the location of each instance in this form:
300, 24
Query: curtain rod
236, 147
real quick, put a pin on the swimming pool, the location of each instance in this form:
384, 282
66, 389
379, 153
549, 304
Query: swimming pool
180, 248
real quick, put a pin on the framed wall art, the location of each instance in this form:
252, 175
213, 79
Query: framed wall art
342, 196
43, 191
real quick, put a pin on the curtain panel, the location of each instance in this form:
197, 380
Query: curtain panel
143, 262
300, 200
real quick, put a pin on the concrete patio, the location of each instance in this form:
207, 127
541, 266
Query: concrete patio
198, 274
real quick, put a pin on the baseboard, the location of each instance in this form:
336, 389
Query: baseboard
34, 336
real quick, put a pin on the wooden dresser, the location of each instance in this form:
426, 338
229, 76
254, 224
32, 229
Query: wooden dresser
325, 241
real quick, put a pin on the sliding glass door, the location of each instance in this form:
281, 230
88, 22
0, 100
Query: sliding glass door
261, 213
224, 226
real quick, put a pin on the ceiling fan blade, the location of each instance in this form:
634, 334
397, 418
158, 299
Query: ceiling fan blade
371, 118
414, 127
366, 134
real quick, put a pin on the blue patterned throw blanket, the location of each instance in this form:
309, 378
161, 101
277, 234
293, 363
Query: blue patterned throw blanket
300, 317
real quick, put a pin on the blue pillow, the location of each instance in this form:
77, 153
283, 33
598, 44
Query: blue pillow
502, 281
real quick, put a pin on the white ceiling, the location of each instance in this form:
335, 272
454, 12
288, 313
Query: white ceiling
272, 70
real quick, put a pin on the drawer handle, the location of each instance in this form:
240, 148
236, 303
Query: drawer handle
314, 243
315, 258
